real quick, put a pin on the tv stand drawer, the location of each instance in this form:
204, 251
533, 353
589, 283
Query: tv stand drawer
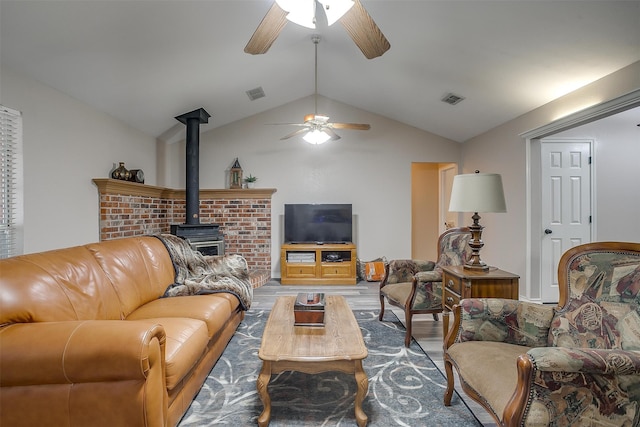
336, 269
300, 270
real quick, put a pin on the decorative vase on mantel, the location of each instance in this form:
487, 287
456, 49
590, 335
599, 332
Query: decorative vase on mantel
120, 172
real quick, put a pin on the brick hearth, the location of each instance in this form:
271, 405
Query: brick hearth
132, 209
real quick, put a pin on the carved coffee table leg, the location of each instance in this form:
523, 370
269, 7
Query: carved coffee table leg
262, 386
363, 386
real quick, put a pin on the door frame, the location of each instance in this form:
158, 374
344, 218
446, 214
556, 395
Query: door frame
533, 177
429, 230
445, 194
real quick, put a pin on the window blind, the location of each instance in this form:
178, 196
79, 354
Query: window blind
10, 176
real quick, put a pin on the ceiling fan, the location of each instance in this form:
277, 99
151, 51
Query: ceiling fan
317, 128
351, 14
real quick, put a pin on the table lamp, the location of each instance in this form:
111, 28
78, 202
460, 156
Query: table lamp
477, 192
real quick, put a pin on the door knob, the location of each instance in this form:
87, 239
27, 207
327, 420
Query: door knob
547, 231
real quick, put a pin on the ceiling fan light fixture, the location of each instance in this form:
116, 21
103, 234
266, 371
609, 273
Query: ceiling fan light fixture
301, 12
316, 137
335, 9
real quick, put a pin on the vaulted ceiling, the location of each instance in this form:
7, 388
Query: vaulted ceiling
145, 62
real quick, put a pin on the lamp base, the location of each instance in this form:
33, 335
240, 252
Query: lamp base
476, 243
476, 267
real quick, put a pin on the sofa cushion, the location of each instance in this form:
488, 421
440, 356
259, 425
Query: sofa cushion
214, 310
139, 268
58, 285
505, 320
361, 267
186, 343
374, 271
493, 357
604, 305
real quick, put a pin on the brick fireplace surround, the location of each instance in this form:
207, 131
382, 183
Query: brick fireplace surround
131, 209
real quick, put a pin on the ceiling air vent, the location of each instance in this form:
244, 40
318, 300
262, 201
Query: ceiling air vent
256, 93
452, 98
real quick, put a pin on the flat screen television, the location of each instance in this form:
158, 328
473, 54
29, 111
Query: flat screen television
317, 223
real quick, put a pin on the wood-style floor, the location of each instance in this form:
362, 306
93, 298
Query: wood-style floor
364, 296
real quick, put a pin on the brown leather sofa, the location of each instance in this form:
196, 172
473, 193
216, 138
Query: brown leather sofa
85, 339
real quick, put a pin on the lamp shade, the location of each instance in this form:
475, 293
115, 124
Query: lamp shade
477, 192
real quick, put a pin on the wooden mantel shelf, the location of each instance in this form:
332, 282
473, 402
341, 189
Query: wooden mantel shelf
116, 186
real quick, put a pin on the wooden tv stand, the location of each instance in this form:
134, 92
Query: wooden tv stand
312, 264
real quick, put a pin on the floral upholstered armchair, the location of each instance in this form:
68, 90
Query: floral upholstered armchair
577, 364
416, 285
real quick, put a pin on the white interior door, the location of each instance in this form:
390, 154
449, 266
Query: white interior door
566, 205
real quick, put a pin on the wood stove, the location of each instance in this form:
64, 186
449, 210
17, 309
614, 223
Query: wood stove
214, 247
205, 238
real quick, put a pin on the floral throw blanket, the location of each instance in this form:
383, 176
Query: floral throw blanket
200, 275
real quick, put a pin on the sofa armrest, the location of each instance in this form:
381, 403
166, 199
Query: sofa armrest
504, 320
79, 351
576, 386
585, 360
404, 270
429, 276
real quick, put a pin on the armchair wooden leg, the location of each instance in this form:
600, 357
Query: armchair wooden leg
407, 338
448, 393
381, 315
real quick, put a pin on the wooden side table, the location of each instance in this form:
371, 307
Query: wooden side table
459, 283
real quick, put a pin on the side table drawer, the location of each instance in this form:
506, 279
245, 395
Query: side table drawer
450, 299
453, 283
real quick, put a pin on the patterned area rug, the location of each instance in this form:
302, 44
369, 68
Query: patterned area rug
405, 387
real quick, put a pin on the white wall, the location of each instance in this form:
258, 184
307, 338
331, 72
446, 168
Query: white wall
502, 150
616, 170
369, 169
66, 144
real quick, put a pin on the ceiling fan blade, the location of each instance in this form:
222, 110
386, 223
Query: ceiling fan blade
334, 136
364, 31
267, 31
287, 124
354, 126
292, 134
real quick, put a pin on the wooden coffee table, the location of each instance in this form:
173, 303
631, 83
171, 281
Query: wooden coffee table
338, 346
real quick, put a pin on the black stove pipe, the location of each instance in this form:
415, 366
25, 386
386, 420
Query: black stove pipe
192, 121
